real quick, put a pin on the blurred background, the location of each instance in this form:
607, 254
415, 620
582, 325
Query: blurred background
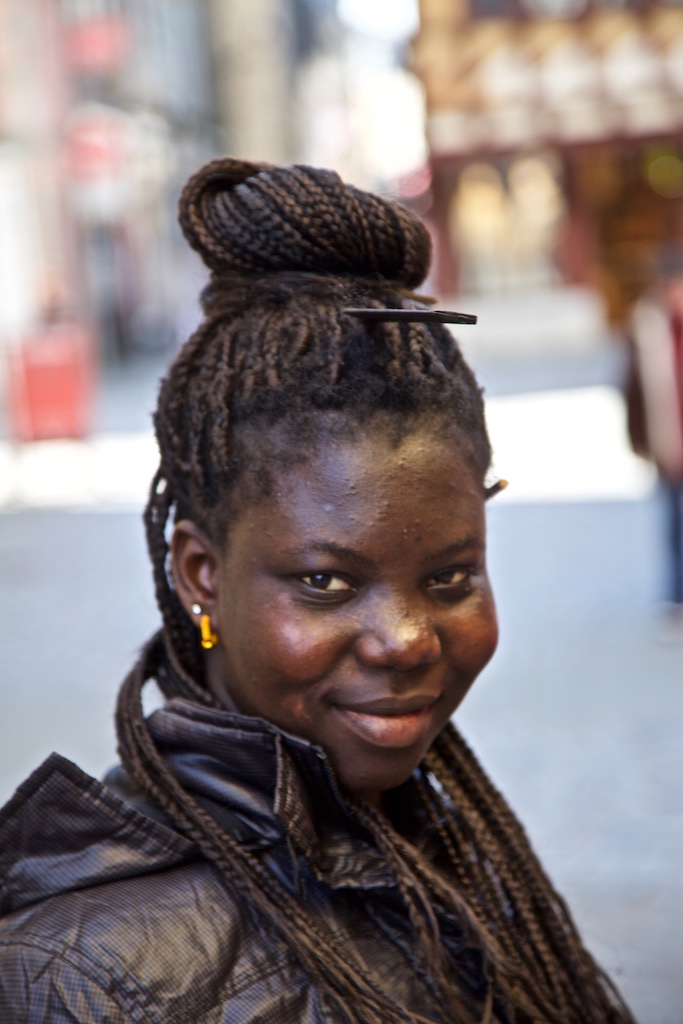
542, 141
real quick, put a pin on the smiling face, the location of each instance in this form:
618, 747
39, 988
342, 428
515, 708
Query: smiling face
352, 604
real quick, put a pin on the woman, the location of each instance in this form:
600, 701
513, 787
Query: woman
299, 834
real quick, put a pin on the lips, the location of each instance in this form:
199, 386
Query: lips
391, 722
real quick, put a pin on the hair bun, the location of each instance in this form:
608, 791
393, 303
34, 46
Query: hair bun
250, 218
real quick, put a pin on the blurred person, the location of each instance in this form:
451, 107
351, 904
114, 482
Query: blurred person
655, 402
299, 834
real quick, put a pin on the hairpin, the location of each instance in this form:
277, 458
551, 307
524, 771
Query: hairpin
490, 492
439, 316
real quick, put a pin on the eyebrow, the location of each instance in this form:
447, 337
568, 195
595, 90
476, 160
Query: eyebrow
474, 540
341, 551
330, 548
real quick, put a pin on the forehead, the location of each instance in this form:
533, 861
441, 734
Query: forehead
370, 486
377, 465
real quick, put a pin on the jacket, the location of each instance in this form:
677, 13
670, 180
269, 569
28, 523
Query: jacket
109, 915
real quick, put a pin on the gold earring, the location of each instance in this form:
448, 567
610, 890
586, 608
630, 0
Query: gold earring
209, 638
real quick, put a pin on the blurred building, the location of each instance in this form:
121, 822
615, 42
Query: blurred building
260, 48
103, 103
105, 107
555, 131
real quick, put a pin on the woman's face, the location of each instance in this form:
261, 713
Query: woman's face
353, 606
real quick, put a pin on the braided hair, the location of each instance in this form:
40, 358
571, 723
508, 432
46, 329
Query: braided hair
290, 249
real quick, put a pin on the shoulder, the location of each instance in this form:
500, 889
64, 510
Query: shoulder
171, 946
130, 933
38, 983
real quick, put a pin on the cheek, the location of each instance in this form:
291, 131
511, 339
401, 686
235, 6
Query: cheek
291, 639
290, 659
473, 641
293, 649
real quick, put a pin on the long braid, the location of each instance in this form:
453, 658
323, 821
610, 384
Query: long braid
516, 986
531, 948
512, 846
185, 656
541, 931
459, 848
416, 885
290, 249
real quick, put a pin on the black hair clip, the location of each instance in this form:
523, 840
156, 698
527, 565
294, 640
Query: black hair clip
439, 316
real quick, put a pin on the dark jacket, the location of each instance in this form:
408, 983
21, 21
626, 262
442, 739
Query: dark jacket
109, 915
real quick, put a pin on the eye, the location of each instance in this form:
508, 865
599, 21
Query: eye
326, 583
450, 578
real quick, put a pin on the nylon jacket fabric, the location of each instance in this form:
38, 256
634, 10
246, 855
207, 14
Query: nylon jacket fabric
108, 915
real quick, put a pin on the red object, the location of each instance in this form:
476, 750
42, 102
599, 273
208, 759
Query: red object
95, 143
51, 383
98, 44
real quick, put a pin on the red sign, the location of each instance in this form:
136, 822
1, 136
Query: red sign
98, 45
51, 383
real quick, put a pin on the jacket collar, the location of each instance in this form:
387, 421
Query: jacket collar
264, 785
64, 830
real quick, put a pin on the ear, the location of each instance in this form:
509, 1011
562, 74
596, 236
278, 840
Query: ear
194, 564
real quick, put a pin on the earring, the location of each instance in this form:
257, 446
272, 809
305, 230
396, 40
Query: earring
209, 638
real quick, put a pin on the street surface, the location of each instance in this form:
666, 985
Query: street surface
578, 718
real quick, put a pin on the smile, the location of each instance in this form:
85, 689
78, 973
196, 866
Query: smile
387, 725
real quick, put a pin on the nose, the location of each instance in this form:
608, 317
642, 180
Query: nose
398, 637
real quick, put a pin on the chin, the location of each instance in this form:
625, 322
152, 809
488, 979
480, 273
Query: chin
379, 781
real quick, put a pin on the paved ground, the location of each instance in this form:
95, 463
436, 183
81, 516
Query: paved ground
578, 718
